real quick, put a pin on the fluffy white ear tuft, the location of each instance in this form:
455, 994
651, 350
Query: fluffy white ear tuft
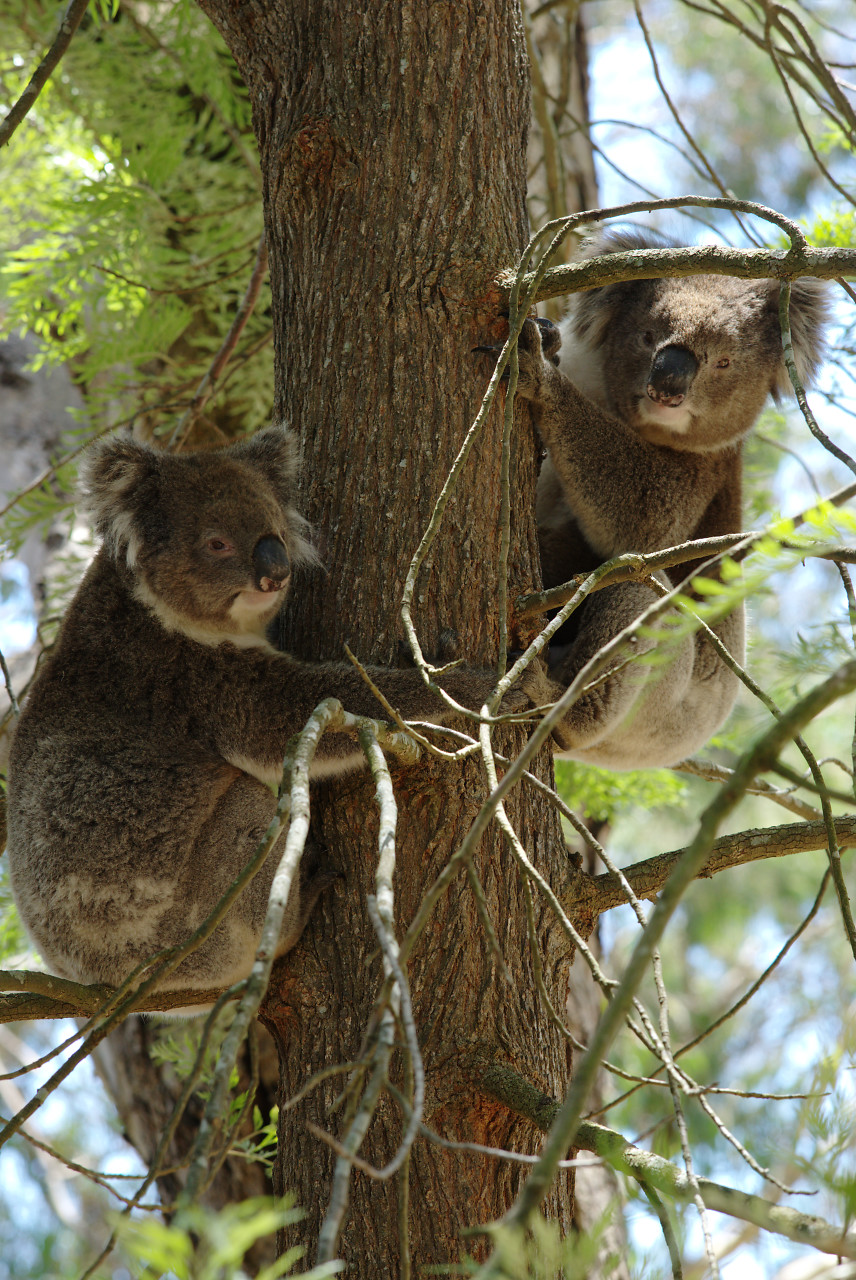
809, 316
116, 479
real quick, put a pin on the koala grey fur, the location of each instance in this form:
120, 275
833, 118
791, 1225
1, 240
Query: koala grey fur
142, 760
657, 384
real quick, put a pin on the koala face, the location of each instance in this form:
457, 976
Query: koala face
210, 539
689, 365
690, 362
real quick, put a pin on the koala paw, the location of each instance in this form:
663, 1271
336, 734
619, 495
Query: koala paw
536, 684
539, 341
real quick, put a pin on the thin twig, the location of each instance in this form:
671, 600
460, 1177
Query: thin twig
505, 1085
767, 747
294, 805
719, 773
155, 1168
679, 121
7, 679
666, 1228
208, 384
68, 25
796, 381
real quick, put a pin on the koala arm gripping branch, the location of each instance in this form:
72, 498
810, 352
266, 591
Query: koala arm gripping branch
271, 696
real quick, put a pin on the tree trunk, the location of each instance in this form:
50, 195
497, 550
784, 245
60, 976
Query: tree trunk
392, 145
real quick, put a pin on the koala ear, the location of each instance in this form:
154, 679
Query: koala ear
116, 481
273, 452
809, 315
596, 310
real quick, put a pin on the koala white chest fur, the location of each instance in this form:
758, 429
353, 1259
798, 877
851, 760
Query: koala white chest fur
643, 397
138, 769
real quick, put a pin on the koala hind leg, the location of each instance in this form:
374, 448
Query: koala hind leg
224, 847
636, 714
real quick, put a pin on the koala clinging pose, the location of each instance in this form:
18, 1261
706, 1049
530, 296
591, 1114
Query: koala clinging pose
657, 384
140, 762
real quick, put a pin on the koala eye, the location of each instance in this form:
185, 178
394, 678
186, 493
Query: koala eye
219, 546
723, 363
648, 338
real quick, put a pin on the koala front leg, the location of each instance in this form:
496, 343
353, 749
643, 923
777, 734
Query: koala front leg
608, 709
271, 696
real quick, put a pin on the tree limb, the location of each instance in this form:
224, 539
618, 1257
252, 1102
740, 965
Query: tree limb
801, 259
70, 22
711, 772
636, 567
31, 1002
593, 895
504, 1085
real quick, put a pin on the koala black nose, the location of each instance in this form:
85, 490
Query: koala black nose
271, 564
671, 375
551, 338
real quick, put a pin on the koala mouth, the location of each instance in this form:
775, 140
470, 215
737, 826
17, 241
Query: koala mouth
260, 600
675, 418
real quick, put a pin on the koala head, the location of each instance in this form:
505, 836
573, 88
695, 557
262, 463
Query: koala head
690, 362
208, 538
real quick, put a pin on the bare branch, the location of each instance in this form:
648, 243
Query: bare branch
801, 259
634, 566
68, 25
718, 773
208, 385
689, 865
596, 894
504, 1085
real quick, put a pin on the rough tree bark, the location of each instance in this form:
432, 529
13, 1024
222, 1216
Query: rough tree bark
392, 143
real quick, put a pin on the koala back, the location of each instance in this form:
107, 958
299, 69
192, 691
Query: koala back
687, 362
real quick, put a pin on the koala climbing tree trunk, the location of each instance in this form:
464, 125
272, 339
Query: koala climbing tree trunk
393, 151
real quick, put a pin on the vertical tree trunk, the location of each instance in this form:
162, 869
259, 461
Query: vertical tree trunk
392, 141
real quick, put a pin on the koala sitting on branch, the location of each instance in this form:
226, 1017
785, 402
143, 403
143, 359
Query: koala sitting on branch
643, 397
142, 760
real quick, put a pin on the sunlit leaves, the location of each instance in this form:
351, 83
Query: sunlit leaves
602, 793
132, 215
209, 1244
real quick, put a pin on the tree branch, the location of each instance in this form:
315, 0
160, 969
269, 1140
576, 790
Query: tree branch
208, 384
40, 995
711, 772
593, 895
504, 1085
67, 27
634, 566
801, 259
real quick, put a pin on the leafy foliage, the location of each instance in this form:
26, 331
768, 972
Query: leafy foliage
208, 1244
127, 247
179, 1046
542, 1253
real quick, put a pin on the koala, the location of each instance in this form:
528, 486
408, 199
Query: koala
143, 761
642, 398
